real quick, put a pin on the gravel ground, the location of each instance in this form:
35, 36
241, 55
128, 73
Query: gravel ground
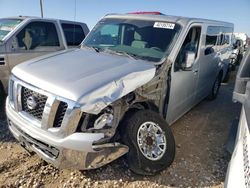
201, 159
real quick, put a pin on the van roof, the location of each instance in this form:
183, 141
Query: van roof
162, 17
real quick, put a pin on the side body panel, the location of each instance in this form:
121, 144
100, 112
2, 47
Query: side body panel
190, 87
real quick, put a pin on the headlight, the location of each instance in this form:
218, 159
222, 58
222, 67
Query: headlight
91, 122
103, 120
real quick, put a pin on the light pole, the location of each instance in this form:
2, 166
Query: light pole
41, 6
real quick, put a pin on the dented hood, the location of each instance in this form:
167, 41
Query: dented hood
93, 80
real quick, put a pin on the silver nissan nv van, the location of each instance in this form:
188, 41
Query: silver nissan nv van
134, 75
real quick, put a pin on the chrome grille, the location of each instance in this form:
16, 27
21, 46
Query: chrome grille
36, 104
37, 112
60, 114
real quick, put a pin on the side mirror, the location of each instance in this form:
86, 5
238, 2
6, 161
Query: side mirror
209, 50
234, 46
189, 60
14, 45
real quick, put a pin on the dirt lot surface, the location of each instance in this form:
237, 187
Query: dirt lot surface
201, 159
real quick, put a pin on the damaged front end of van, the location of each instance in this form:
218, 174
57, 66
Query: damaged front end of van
83, 108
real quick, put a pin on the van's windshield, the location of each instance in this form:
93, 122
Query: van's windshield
147, 40
7, 25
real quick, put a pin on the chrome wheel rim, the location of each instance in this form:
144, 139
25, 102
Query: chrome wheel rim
151, 140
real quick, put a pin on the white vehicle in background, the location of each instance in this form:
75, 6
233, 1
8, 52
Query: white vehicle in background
240, 43
243, 37
238, 173
237, 53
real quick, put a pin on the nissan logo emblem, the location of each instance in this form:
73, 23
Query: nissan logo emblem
32, 102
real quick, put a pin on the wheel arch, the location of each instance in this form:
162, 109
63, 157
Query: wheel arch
144, 105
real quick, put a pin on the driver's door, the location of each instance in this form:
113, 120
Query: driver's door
184, 82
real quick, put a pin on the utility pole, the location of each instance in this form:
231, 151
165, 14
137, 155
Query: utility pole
41, 6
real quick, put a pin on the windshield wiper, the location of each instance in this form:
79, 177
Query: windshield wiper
133, 56
91, 47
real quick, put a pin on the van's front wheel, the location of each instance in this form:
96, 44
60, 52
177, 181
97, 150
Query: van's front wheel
150, 141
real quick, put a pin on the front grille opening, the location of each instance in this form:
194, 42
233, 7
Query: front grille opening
40, 99
60, 114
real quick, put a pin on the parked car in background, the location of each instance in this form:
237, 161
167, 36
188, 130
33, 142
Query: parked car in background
243, 37
224, 45
237, 54
238, 172
24, 38
134, 75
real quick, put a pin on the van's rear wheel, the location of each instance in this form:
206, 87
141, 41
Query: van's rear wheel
150, 141
216, 87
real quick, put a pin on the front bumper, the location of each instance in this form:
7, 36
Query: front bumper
75, 151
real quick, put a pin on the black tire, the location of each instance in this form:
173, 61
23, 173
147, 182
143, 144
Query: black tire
233, 67
227, 76
216, 87
136, 160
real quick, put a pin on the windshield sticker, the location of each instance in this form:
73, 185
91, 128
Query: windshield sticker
164, 25
6, 28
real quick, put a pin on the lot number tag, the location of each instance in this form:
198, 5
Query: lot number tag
164, 25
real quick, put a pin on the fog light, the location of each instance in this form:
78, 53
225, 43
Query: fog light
104, 120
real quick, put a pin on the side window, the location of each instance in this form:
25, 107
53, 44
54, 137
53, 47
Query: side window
37, 34
190, 44
227, 39
226, 32
213, 38
73, 33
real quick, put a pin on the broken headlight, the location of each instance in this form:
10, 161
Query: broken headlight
103, 120
90, 122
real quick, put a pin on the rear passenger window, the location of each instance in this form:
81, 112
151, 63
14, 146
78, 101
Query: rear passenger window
73, 33
212, 35
218, 36
37, 35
